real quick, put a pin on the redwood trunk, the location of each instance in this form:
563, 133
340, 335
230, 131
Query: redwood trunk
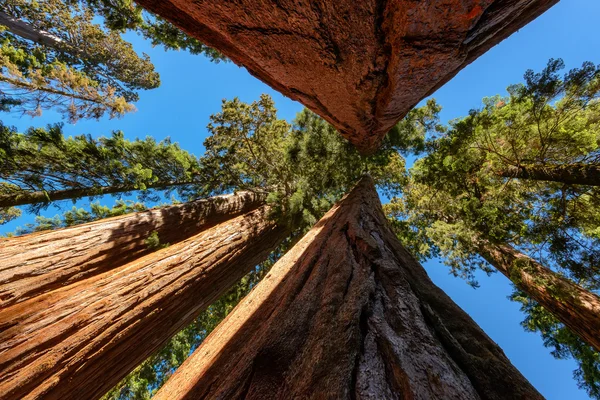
79, 341
34, 264
574, 306
348, 313
42, 196
575, 174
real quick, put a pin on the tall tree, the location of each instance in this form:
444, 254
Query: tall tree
42, 166
38, 263
305, 166
145, 380
472, 201
59, 344
53, 55
346, 313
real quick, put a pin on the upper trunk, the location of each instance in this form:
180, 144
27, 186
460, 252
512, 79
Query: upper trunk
576, 174
574, 306
348, 313
361, 65
33, 264
29, 32
43, 196
79, 341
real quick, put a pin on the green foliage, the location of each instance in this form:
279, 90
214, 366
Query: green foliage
153, 242
122, 15
42, 159
305, 167
458, 196
60, 58
564, 343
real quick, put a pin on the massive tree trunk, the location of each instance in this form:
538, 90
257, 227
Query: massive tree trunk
78, 341
361, 65
574, 306
34, 264
576, 174
42, 196
348, 313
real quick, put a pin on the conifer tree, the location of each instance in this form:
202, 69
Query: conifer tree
509, 188
42, 166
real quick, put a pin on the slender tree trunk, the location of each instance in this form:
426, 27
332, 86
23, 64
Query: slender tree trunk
576, 174
348, 313
79, 341
27, 31
42, 196
37, 263
574, 306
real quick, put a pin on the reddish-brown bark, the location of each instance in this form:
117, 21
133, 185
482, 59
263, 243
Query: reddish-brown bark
348, 313
361, 65
34, 264
574, 306
78, 341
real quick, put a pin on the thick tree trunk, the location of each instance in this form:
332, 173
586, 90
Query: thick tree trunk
24, 198
575, 174
34, 264
78, 341
348, 313
574, 306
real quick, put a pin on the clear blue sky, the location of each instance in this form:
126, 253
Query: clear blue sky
192, 89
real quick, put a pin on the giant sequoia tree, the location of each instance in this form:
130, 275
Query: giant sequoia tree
35, 264
57, 344
348, 313
504, 189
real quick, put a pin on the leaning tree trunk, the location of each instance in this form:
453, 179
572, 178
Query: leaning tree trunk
79, 341
348, 313
572, 305
37, 263
576, 174
29, 32
43, 196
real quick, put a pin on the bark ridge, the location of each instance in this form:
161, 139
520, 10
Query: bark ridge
346, 314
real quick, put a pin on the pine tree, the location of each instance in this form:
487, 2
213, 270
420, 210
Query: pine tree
42, 166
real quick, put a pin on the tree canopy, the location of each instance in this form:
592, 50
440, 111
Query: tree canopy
467, 190
56, 54
41, 165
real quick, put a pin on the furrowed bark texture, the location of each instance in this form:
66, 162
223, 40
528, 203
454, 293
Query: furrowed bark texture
41, 196
361, 65
574, 174
574, 306
37, 263
348, 313
77, 342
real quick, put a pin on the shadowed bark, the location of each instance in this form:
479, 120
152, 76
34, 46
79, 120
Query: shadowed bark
348, 313
573, 174
361, 65
572, 305
78, 341
36, 263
